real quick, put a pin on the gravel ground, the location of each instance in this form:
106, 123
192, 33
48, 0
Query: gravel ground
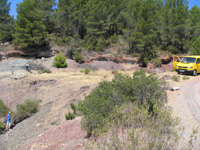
12, 65
40, 64
21, 134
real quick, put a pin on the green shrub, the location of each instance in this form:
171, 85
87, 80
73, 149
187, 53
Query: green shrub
78, 57
70, 53
60, 61
73, 107
114, 71
100, 46
156, 61
113, 39
173, 49
46, 71
25, 110
92, 41
90, 47
133, 127
2, 127
147, 91
185, 78
195, 47
87, 70
69, 116
62, 41
176, 78
3, 109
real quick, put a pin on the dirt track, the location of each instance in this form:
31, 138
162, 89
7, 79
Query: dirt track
192, 97
186, 105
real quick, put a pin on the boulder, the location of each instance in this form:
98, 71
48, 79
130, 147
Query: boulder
6, 44
14, 53
19, 76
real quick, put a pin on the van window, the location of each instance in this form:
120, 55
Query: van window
198, 61
188, 60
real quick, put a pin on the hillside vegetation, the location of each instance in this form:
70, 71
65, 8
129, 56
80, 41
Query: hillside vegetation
138, 27
131, 113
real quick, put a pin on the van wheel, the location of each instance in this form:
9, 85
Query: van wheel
194, 73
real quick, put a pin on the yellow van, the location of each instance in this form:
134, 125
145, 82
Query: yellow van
188, 64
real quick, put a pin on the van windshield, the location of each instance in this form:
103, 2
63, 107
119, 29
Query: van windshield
188, 60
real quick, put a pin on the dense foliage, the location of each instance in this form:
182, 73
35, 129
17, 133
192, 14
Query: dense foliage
6, 22
133, 127
98, 106
60, 61
145, 26
131, 113
2, 127
3, 109
30, 29
25, 110
3, 112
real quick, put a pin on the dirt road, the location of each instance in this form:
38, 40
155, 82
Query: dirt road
192, 97
186, 105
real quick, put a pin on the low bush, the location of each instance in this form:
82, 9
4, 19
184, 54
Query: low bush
69, 116
113, 39
156, 61
131, 126
3, 109
114, 72
100, 46
70, 53
25, 110
62, 41
147, 91
185, 78
74, 108
87, 70
78, 57
90, 47
60, 61
176, 78
44, 71
2, 127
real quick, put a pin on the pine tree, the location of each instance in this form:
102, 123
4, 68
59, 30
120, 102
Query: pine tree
70, 18
47, 14
179, 15
195, 22
6, 22
195, 47
145, 24
30, 30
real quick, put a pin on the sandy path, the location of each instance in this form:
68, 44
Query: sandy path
192, 97
186, 105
